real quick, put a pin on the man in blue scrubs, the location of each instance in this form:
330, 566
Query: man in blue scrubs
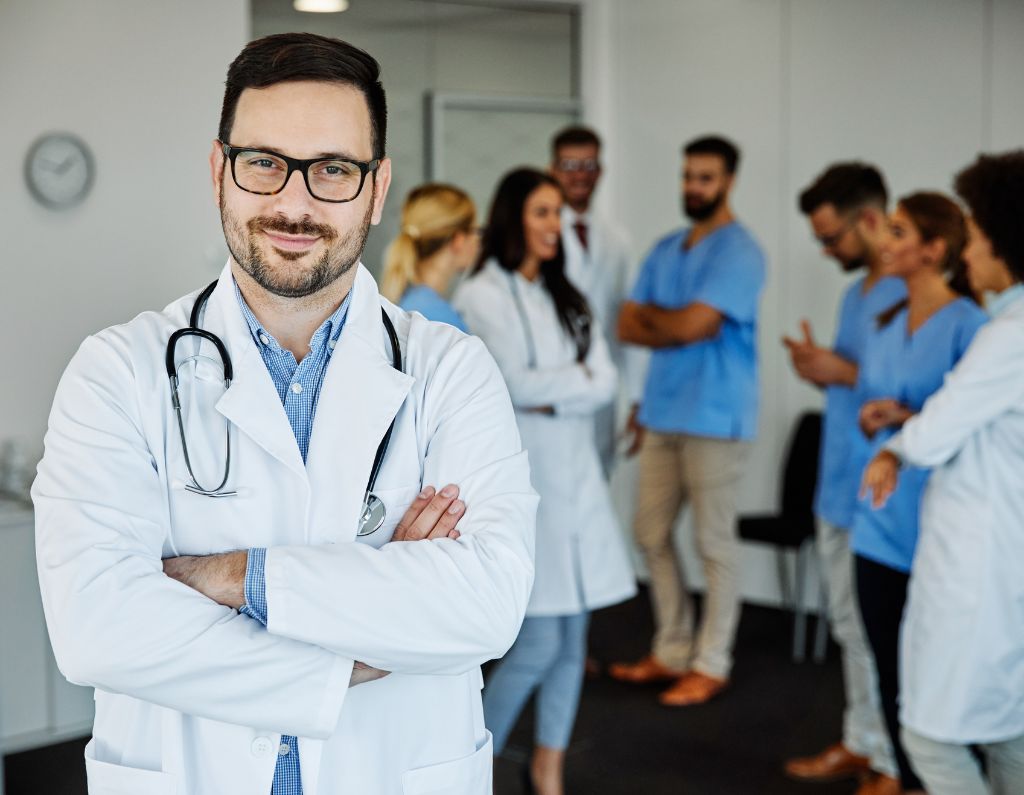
846, 208
695, 305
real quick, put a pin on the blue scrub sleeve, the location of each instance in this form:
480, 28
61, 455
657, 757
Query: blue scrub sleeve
256, 585
643, 288
733, 283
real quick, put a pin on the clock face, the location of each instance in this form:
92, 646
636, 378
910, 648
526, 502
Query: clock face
59, 170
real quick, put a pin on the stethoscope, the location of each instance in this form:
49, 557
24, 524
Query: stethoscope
373, 513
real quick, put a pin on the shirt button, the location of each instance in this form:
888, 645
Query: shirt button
296, 387
283, 749
331, 344
264, 339
262, 746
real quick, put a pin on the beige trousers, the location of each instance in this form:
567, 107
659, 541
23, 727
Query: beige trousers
675, 470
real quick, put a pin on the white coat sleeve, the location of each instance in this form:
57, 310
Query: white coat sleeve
528, 387
986, 382
632, 359
429, 607
116, 622
603, 379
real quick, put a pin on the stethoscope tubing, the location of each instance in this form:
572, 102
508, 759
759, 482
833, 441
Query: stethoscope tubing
193, 330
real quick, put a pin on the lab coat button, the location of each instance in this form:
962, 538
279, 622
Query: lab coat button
262, 746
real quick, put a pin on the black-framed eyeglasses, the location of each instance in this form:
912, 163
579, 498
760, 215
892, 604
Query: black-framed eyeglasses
265, 173
831, 241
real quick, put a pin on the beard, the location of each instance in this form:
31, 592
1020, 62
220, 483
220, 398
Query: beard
700, 210
340, 255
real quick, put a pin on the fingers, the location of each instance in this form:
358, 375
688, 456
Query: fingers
432, 515
412, 513
805, 327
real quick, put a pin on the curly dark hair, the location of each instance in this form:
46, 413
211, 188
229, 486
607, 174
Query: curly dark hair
993, 189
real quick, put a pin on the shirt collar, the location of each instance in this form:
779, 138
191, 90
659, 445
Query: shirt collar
570, 216
329, 330
999, 301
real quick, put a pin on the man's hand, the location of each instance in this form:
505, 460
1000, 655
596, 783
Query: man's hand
218, 577
361, 672
633, 432
817, 365
431, 515
883, 413
880, 478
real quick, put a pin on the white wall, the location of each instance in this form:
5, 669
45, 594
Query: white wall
141, 83
916, 86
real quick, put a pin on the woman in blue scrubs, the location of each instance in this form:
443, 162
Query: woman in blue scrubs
915, 344
438, 239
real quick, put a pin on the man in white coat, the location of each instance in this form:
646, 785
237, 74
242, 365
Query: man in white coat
598, 263
221, 625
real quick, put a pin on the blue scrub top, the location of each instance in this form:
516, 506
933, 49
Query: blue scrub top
908, 368
844, 449
426, 301
709, 388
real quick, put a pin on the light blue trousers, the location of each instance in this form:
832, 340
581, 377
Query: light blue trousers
548, 656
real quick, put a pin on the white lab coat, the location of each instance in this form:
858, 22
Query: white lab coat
192, 697
581, 560
962, 653
604, 272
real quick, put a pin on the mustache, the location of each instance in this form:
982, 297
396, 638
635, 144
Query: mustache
303, 227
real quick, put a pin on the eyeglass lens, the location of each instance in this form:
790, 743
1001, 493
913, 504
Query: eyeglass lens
573, 164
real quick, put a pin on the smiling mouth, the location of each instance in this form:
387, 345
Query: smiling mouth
290, 242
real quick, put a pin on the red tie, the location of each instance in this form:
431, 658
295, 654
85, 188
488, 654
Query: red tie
581, 233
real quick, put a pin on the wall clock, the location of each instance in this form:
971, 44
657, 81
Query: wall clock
59, 170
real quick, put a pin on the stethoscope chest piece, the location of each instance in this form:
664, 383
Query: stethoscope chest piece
371, 519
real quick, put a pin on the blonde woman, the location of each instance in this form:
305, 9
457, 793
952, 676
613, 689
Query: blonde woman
438, 239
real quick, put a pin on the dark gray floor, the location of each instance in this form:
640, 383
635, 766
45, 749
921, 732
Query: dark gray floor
624, 742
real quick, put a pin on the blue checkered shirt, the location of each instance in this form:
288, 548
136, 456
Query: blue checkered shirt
298, 385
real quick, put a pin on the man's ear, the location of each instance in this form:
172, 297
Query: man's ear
217, 170
381, 183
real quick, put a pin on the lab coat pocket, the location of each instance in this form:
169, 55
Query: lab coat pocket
470, 775
396, 503
106, 778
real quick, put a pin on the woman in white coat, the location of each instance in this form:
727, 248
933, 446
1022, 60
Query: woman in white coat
555, 362
962, 650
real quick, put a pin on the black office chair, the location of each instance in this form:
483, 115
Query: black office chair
793, 529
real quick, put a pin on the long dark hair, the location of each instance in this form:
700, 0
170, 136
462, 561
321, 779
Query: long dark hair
505, 241
937, 217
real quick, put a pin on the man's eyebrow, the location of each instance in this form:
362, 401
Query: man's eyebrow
319, 156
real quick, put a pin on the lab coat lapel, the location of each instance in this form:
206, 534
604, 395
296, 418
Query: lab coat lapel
251, 403
361, 394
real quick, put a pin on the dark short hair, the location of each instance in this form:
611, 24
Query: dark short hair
715, 145
290, 57
575, 135
993, 189
848, 186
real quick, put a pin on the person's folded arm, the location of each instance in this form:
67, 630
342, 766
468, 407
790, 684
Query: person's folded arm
429, 607
604, 379
116, 622
987, 382
692, 323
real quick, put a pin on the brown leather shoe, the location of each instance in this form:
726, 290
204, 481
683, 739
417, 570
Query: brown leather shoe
692, 688
835, 763
880, 785
644, 671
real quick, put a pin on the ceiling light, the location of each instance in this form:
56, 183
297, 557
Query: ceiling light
321, 6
